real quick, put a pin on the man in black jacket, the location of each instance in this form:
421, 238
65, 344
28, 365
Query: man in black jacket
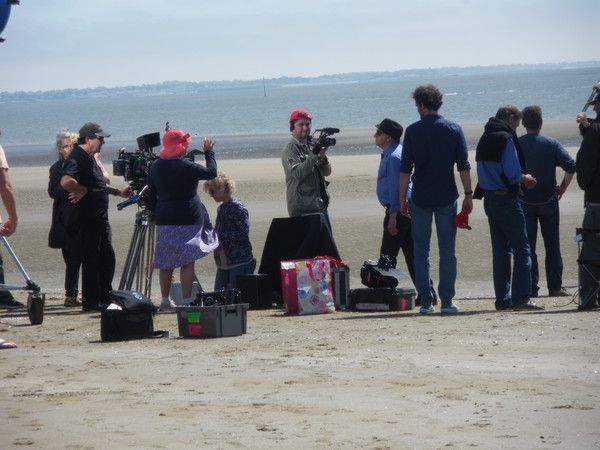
588, 178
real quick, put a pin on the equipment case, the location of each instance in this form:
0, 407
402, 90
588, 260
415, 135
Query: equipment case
382, 299
211, 321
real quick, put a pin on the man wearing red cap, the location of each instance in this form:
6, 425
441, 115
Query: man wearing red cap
305, 171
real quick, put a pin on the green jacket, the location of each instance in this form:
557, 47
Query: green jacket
303, 175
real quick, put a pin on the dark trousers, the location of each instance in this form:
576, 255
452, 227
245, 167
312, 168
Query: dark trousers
548, 217
72, 258
391, 245
97, 264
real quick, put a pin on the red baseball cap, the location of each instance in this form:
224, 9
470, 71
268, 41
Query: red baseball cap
462, 220
299, 114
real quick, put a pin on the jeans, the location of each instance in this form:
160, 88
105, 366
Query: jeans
509, 237
446, 232
227, 278
549, 218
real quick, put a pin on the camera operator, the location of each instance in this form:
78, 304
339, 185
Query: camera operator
87, 221
305, 171
183, 229
587, 167
582, 119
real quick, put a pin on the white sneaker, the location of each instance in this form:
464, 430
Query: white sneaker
166, 305
452, 309
429, 310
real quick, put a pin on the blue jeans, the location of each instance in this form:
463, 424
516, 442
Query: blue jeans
226, 279
446, 233
509, 237
549, 219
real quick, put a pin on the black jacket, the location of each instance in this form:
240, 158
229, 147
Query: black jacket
57, 237
588, 164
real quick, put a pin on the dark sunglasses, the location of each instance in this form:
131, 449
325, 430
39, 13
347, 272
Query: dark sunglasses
100, 138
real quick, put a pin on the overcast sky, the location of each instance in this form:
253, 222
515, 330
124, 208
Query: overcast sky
56, 44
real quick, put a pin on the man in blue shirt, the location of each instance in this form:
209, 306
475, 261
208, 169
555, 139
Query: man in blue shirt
396, 227
500, 167
542, 156
432, 146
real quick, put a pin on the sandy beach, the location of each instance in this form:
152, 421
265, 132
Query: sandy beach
483, 379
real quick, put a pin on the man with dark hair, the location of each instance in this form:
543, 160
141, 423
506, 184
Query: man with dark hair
305, 172
540, 204
500, 171
432, 146
396, 227
88, 219
588, 179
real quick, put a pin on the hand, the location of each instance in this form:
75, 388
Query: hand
126, 192
559, 191
208, 143
391, 225
582, 119
528, 181
8, 227
321, 153
405, 208
74, 197
467, 204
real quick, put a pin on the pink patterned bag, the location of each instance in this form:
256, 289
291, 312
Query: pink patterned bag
306, 286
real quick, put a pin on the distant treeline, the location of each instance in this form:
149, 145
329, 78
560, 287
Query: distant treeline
183, 87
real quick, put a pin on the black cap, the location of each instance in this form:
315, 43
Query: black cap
91, 129
392, 128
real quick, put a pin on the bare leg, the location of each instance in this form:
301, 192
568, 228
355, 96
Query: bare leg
187, 279
165, 276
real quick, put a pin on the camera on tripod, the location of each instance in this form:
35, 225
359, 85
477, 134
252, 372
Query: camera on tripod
133, 166
323, 139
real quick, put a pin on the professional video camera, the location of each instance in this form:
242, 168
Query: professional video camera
322, 139
133, 166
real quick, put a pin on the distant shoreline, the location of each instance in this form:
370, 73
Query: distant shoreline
350, 141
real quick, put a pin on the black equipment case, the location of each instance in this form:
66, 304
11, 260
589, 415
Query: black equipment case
382, 299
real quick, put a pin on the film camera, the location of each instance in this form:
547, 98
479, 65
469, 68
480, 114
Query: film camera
133, 166
322, 139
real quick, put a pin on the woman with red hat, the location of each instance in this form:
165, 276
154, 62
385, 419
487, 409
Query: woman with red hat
183, 229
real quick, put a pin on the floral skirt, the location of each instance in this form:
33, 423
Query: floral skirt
178, 245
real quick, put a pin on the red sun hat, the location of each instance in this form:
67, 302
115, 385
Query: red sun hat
462, 220
175, 143
299, 114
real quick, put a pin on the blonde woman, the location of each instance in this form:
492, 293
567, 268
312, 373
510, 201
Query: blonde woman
234, 254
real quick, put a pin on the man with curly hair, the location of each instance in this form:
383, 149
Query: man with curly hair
432, 146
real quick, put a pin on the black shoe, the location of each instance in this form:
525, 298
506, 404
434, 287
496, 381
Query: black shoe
589, 306
502, 306
10, 303
527, 306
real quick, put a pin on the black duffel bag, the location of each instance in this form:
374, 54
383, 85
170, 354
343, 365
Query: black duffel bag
129, 316
374, 276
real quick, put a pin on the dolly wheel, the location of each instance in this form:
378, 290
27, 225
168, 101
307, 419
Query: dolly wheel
35, 308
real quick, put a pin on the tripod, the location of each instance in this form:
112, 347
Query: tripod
139, 264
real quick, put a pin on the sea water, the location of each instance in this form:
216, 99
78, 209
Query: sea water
249, 124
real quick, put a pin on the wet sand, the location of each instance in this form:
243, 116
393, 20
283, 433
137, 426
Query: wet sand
373, 380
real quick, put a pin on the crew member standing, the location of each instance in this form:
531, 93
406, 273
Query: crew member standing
84, 181
305, 172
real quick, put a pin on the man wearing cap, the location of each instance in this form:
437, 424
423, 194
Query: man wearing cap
432, 147
501, 170
396, 227
588, 179
305, 172
540, 204
87, 219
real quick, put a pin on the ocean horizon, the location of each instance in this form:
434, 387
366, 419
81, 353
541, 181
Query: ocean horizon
249, 124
